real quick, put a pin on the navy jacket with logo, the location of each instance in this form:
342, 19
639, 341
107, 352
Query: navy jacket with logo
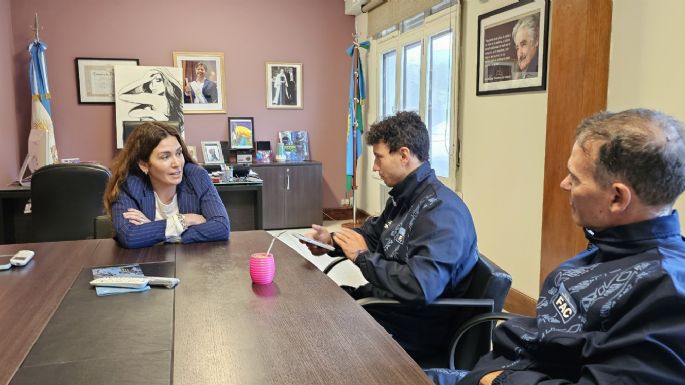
420, 248
613, 314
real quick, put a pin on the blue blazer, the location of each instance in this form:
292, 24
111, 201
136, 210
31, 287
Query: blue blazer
195, 194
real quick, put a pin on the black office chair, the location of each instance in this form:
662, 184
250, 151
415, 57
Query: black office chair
487, 289
65, 199
104, 228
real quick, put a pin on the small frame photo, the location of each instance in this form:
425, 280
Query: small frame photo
241, 133
203, 81
211, 151
95, 78
512, 48
284, 85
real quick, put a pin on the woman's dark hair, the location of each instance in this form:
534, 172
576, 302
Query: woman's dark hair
138, 147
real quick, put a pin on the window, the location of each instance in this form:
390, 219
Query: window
388, 84
416, 72
411, 77
439, 96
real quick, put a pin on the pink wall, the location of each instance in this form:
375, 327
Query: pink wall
250, 33
9, 154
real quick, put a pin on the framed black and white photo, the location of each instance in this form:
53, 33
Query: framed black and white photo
284, 85
241, 133
145, 93
203, 81
211, 151
512, 48
95, 78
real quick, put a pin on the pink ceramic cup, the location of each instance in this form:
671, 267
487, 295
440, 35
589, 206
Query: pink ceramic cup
262, 268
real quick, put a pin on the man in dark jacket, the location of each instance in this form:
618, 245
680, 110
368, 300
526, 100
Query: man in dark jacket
613, 314
420, 248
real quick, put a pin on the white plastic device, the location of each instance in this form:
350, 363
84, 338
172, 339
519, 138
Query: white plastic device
313, 241
135, 282
168, 282
117, 281
22, 257
5, 263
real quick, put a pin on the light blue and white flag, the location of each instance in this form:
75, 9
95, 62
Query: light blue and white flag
42, 149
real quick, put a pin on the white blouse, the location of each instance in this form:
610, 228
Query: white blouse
168, 212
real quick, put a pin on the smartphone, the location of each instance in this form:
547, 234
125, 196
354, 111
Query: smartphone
313, 241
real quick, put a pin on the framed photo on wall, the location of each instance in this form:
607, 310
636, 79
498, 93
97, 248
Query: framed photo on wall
241, 133
211, 151
95, 78
284, 85
144, 93
203, 81
512, 48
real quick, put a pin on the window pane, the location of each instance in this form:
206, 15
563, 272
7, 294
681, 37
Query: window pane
411, 79
438, 101
388, 84
412, 22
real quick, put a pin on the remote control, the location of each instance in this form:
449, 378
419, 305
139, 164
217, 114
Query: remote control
22, 257
127, 282
5, 263
168, 282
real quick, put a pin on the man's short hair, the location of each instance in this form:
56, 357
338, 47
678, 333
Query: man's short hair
404, 129
642, 147
530, 22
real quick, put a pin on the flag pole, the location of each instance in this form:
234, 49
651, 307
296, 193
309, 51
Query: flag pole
25, 165
355, 150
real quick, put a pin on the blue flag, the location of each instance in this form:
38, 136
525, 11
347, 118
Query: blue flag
354, 117
42, 149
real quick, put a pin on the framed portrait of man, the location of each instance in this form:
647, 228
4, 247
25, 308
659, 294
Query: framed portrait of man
203, 81
512, 48
284, 85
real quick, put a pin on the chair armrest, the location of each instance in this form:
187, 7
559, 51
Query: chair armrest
472, 322
333, 264
378, 301
447, 302
103, 227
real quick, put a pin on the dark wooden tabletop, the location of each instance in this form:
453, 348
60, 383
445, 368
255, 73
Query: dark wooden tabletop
301, 329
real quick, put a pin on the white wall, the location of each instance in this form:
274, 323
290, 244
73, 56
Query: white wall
503, 155
647, 58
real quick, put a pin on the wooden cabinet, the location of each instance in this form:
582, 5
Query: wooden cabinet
291, 194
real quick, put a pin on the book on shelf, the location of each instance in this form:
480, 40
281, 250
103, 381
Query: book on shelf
295, 145
118, 271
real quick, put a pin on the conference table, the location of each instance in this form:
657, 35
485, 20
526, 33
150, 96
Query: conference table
215, 327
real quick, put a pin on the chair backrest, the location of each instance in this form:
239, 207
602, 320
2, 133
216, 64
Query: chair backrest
65, 199
488, 281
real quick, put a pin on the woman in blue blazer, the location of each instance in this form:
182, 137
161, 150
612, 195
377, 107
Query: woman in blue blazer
157, 193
